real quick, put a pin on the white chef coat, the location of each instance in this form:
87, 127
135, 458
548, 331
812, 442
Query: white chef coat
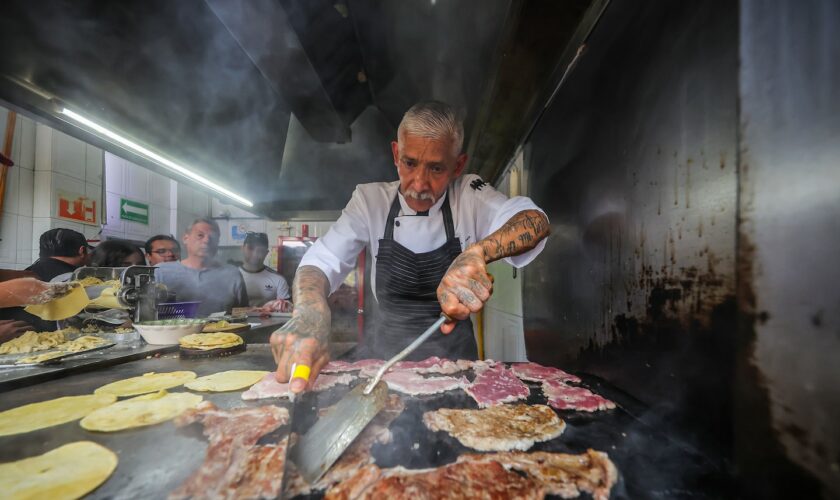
477, 209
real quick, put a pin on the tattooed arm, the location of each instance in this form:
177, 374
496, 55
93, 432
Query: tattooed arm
467, 286
304, 339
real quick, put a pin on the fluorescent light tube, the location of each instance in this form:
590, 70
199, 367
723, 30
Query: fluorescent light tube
164, 162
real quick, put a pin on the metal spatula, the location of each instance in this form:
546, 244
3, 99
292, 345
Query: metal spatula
325, 441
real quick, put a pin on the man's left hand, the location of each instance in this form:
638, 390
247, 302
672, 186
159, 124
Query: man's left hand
465, 287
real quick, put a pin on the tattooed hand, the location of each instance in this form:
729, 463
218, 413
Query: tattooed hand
304, 339
465, 287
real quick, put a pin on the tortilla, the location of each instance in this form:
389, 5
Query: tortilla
40, 358
108, 299
62, 307
223, 326
90, 281
45, 414
141, 411
32, 342
67, 472
148, 382
230, 380
207, 341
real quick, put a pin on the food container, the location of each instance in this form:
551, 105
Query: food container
171, 310
168, 331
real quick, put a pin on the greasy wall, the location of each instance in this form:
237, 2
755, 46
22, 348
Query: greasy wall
788, 400
634, 163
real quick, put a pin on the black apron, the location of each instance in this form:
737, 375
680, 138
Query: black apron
406, 289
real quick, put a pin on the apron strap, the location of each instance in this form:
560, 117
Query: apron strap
448, 224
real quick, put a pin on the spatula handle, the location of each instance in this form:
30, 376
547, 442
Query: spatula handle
405, 352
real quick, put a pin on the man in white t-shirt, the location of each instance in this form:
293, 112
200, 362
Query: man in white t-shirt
431, 235
267, 289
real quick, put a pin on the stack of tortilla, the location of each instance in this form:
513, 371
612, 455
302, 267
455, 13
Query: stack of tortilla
211, 344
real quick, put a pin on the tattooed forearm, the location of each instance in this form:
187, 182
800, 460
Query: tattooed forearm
519, 234
311, 316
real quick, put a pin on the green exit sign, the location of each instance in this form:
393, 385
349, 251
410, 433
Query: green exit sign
134, 211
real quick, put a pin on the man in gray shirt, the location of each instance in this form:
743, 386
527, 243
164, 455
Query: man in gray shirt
199, 277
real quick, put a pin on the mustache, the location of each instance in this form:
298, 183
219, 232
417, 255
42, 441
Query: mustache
425, 195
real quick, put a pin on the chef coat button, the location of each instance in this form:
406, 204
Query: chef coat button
397, 223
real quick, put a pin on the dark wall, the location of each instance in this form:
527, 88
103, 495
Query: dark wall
789, 236
691, 170
634, 163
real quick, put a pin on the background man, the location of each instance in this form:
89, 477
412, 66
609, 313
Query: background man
199, 277
162, 248
265, 286
60, 251
431, 234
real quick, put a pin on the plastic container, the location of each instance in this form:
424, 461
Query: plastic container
174, 310
168, 331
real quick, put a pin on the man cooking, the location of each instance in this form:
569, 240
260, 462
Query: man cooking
431, 234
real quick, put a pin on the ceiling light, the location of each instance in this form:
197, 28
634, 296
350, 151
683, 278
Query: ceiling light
151, 155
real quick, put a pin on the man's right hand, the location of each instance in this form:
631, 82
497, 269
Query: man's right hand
304, 339
10, 329
290, 349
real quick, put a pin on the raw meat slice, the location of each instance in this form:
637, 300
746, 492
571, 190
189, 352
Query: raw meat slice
269, 387
477, 366
454, 481
234, 465
415, 384
433, 364
534, 372
561, 474
326, 381
358, 455
499, 428
567, 397
496, 385
344, 366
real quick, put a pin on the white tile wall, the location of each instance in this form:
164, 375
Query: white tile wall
137, 183
158, 190
69, 156
48, 160
10, 202
8, 238
42, 203
114, 173
26, 188
43, 147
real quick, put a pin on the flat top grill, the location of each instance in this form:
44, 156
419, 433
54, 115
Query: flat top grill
155, 460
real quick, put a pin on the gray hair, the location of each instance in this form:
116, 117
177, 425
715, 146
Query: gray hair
203, 220
434, 120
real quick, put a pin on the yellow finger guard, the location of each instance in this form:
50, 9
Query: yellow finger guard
301, 371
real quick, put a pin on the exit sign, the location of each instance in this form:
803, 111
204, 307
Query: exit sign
134, 211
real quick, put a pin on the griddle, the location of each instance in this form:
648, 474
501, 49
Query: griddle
156, 459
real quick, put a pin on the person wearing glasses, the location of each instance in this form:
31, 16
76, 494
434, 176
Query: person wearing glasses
162, 248
267, 289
